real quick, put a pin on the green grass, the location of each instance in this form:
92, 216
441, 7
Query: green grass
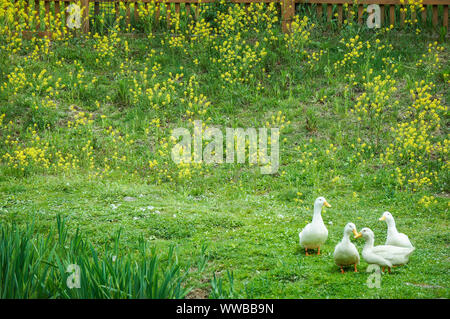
234, 231
246, 235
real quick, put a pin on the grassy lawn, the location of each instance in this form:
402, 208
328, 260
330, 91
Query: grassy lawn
85, 126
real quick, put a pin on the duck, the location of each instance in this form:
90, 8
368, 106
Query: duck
315, 233
345, 252
383, 255
394, 238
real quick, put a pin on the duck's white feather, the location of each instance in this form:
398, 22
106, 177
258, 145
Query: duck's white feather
314, 235
396, 255
399, 240
372, 258
345, 253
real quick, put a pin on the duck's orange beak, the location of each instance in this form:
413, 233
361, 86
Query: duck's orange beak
358, 235
355, 233
382, 218
326, 204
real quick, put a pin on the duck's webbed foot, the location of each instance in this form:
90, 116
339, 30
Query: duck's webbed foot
318, 251
356, 269
342, 269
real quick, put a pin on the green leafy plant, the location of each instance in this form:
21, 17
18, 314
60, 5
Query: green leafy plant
37, 267
219, 290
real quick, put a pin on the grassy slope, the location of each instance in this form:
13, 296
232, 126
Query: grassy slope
251, 222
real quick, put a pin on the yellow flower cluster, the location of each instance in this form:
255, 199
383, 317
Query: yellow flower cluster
299, 36
308, 158
39, 155
350, 12
411, 7
299, 198
355, 46
427, 201
278, 120
430, 60
374, 102
80, 118
106, 46
197, 104
417, 154
17, 80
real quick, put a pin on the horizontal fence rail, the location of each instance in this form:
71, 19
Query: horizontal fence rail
48, 12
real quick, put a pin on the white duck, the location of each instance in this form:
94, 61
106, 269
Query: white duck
345, 253
384, 255
315, 233
394, 238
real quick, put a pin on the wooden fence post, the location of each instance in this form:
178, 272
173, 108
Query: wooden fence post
445, 17
287, 14
85, 16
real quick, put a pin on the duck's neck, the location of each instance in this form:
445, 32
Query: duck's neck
392, 230
369, 243
317, 217
346, 238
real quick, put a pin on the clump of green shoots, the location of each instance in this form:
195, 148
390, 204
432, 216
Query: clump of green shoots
63, 266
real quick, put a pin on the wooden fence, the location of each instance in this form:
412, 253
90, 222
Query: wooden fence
329, 9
